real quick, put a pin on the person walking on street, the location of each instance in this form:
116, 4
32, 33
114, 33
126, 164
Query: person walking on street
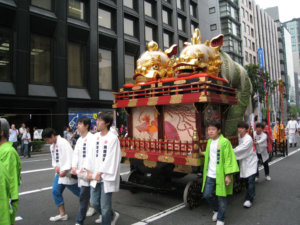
82, 148
13, 136
22, 130
12, 164
247, 161
219, 165
26, 141
291, 128
61, 153
260, 141
103, 166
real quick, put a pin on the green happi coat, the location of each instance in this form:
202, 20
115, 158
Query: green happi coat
227, 165
5, 189
12, 163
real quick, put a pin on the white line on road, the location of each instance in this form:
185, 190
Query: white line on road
181, 206
38, 160
38, 170
36, 190
160, 214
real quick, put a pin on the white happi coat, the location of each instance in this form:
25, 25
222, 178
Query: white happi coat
291, 128
105, 158
80, 155
246, 156
262, 147
61, 153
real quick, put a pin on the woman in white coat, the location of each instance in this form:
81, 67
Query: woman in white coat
247, 161
260, 141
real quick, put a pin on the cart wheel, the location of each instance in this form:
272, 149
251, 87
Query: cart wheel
192, 194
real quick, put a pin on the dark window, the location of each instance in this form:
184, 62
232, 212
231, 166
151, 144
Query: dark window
193, 27
181, 44
193, 10
167, 39
148, 9
128, 3
5, 54
77, 9
180, 4
76, 64
213, 27
212, 10
166, 17
148, 33
129, 68
129, 26
45, 4
181, 23
40, 59
105, 69
104, 18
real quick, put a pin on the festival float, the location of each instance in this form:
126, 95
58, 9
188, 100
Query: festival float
169, 107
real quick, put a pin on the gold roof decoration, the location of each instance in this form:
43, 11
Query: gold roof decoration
154, 64
198, 57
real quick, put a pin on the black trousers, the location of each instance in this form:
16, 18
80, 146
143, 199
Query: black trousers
265, 164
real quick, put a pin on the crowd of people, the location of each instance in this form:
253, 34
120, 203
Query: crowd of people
90, 167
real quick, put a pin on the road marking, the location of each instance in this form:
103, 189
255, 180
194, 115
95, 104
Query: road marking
34, 191
160, 214
34, 171
18, 218
38, 160
181, 206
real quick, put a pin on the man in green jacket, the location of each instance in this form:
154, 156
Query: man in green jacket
12, 164
219, 165
5, 188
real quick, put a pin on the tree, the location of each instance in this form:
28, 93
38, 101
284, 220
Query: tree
257, 83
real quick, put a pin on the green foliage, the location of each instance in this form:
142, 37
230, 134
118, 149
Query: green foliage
257, 83
293, 111
36, 145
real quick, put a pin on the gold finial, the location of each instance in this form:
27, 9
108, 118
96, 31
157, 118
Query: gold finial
152, 46
196, 39
195, 135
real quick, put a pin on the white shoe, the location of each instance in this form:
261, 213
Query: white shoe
115, 219
91, 211
58, 217
214, 217
256, 179
99, 220
220, 222
247, 204
268, 178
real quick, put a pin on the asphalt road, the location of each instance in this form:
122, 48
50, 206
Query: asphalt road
277, 202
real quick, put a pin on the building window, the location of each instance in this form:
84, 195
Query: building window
105, 69
76, 64
148, 9
254, 59
248, 29
180, 4
250, 57
128, 26
253, 46
193, 27
167, 40
104, 18
166, 17
193, 10
180, 23
250, 6
129, 68
45, 4
246, 56
243, 11
252, 32
245, 41
149, 33
251, 19
213, 27
76, 9
40, 59
128, 3
181, 44
249, 44
5, 50
212, 10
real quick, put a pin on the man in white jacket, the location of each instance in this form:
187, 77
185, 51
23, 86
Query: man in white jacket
61, 153
103, 167
260, 141
291, 128
247, 161
82, 148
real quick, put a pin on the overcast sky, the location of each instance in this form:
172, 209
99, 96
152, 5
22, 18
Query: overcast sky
288, 9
